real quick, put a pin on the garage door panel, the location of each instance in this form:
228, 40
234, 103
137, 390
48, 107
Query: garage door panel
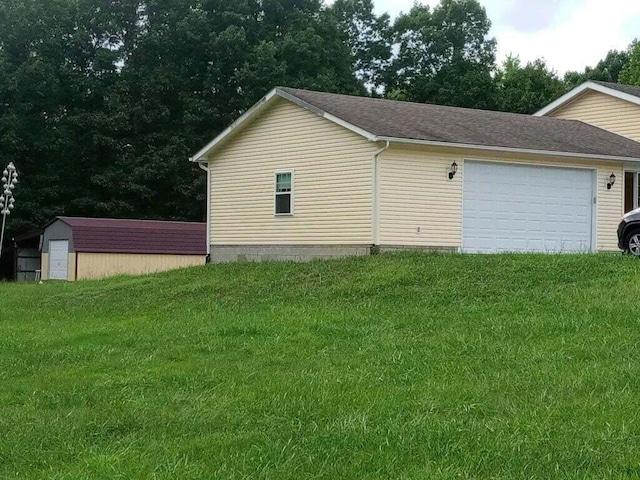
524, 208
58, 259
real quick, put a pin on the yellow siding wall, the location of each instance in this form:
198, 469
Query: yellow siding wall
332, 182
100, 265
604, 111
71, 267
415, 192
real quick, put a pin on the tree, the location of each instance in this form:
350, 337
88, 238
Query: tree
630, 74
526, 89
369, 38
56, 73
102, 103
302, 45
444, 55
607, 70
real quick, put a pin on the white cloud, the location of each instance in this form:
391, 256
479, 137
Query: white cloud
528, 16
581, 38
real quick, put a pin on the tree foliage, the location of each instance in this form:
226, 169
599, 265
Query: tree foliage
103, 102
630, 73
369, 37
607, 70
528, 88
444, 55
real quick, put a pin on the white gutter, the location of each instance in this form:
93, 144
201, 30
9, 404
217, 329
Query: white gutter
584, 156
376, 195
205, 167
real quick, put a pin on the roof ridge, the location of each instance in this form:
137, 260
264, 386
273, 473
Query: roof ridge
620, 87
436, 105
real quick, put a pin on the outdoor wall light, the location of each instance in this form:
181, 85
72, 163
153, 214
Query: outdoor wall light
612, 181
454, 170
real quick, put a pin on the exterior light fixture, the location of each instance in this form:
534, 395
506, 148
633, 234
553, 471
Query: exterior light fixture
8, 182
454, 170
612, 181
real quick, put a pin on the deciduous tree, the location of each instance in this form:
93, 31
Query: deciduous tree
630, 73
445, 55
528, 88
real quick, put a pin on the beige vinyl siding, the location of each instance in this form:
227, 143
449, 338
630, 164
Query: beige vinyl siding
332, 182
610, 206
415, 192
101, 265
604, 111
44, 266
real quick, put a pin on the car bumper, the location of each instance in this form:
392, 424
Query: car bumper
621, 228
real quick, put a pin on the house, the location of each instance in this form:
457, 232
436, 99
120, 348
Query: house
306, 175
85, 248
610, 106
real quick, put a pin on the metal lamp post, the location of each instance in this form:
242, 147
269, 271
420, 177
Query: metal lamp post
9, 181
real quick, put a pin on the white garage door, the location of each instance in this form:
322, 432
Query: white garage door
58, 259
522, 208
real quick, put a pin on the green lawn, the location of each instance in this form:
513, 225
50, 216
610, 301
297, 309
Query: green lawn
388, 367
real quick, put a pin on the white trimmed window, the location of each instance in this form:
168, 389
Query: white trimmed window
284, 193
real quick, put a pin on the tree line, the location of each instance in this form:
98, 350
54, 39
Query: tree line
102, 102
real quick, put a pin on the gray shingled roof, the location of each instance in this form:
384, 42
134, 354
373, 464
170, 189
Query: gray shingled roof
629, 89
435, 123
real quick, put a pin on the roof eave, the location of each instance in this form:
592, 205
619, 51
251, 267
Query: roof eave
566, 98
546, 153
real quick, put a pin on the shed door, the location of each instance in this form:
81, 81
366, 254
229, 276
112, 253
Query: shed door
525, 208
58, 259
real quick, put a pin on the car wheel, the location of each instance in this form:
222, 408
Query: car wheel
633, 244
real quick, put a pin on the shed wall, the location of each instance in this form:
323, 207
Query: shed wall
604, 111
332, 179
58, 230
27, 264
101, 265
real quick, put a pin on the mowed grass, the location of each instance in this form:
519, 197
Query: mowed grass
401, 366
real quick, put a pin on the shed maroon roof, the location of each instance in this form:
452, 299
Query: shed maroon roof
105, 235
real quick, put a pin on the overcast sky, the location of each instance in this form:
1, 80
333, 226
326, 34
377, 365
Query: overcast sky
569, 34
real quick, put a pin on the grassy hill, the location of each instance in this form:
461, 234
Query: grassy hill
395, 366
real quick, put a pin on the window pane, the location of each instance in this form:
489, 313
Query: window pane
283, 203
283, 182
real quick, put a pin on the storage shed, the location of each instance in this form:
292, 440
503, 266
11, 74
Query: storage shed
26, 258
87, 248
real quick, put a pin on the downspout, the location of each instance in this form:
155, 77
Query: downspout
376, 195
205, 167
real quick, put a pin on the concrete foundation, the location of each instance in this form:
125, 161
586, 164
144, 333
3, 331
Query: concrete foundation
414, 248
295, 253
